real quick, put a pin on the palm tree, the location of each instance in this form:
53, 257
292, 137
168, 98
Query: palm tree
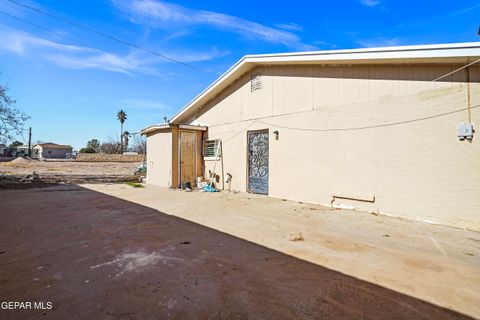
121, 116
126, 134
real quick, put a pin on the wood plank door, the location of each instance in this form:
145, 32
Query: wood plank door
257, 161
187, 157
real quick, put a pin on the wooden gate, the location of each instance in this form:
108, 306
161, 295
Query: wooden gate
257, 161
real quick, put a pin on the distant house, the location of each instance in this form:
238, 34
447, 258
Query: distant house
21, 151
51, 150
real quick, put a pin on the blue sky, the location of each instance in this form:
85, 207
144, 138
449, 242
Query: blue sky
73, 85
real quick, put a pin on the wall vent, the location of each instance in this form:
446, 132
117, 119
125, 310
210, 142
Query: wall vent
255, 82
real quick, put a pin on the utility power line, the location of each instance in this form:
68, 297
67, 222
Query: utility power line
456, 70
372, 126
391, 124
46, 29
209, 71
102, 34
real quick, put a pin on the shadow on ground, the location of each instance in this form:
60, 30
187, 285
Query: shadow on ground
99, 257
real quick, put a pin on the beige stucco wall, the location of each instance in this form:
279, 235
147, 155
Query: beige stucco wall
54, 153
159, 158
417, 170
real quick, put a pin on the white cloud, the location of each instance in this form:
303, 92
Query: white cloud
379, 42
164, 15
440, 18
289, 26
370, 3
19, 11
21, 42
101, 61
194, 56
141, 104
81, 57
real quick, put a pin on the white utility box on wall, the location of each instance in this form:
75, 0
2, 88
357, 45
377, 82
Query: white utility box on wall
465, 131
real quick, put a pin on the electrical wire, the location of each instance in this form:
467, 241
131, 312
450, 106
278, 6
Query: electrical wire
373, 126
348, 129
456, 70
239, 132
102, 34
369, 127
209, 71
48, 30
107, 36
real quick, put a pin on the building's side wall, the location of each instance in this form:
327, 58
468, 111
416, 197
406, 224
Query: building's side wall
361, 144
54, 153
159, 158
37, 152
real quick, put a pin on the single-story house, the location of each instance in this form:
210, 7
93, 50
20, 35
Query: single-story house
51, 150
388, 130
21, 151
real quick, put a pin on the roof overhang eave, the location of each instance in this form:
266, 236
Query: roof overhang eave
155, 127
439, 53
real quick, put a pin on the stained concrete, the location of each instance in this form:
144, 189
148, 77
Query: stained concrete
97, 256
434, 263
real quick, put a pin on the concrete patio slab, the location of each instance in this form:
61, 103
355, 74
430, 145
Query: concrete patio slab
434, 263
111, 254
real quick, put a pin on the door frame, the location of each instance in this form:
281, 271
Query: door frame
248, 162
180, 157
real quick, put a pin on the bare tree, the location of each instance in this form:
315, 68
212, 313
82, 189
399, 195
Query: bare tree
12, 120
110, 146
139, 144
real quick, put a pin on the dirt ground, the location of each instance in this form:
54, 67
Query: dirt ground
52, 172
22, 166
97, 256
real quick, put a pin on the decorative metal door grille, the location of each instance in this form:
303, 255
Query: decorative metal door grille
257, 154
